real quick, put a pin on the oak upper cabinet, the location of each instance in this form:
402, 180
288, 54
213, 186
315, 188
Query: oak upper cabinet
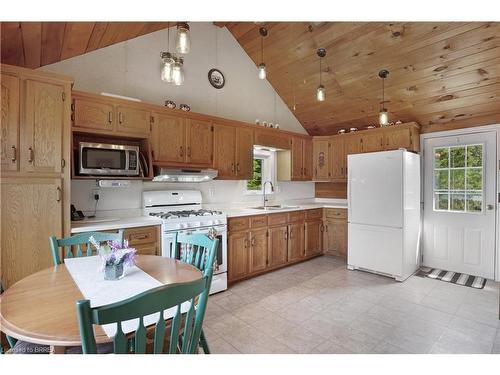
41, 139
32, 210
321, 159
133, 120
168, 139
199, 142
402, 136
9, 151
337, 160
93, 113
295, 242
258, 250
244, 153
372, 141
313, 237
352, 145
238, 255
233, 152
278, 245
302, 159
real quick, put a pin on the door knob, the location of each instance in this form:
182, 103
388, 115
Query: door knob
490, 207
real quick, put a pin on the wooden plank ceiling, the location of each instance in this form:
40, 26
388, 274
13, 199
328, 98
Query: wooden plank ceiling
442, 75
35, 44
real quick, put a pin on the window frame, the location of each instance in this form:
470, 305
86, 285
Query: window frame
268, 172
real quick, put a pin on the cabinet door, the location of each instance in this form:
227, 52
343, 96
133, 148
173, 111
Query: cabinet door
168, 139
41, 137
224, 150
352, 145
258, 250
244, 153
278, 238
295, 242
396, 138
93, 114
9, 141
321, 160
314, 233
297, 167
337, 158
307, 159
199, 142
372, 141
133, 120
336, 237
238, 255
32, 211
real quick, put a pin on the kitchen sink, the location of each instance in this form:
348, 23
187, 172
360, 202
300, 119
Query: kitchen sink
274, 207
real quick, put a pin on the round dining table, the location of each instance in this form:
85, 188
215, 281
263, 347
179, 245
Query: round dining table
41, 308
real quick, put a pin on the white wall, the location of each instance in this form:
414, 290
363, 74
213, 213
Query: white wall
132, 68
220, 192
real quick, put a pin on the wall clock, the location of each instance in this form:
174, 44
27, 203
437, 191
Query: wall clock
216, 78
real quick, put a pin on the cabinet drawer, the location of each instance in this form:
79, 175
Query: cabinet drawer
238, 223
295, 216
314, 214
339, 213
258, 221
143, 235
278, 219
147, 249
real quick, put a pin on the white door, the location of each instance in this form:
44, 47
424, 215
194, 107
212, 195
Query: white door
375, 189
459, 203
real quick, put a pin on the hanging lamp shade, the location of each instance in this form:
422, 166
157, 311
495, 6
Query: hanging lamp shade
262, 65
183, 42
320, 91
383, 115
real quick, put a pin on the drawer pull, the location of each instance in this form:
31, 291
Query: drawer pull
110, 117
58, 194
139, 237
31, 155
14, 154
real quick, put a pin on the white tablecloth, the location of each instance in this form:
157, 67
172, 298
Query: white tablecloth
87, 275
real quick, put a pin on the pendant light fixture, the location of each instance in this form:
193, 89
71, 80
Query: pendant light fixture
167, 61
178, 71
183, 44
320, 91
383, 116
262, 65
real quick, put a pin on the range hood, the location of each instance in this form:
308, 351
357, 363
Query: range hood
184, 175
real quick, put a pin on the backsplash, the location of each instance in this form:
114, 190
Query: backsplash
223, 192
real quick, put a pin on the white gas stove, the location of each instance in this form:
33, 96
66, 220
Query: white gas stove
180, 211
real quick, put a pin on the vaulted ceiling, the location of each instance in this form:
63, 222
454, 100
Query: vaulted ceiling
35, 44
441, 74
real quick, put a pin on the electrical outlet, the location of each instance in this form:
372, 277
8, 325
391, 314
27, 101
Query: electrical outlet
95, 191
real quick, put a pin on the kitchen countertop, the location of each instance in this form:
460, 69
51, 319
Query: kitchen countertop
122, 219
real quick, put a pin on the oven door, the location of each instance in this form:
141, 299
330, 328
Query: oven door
221, 255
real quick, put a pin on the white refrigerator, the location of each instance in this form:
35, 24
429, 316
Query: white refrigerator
383, 193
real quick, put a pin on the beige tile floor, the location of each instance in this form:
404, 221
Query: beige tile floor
320, 307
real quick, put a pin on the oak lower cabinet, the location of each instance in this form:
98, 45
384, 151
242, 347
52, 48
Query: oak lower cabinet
335, 234
238, 255
146, 240
278, 245
295, 242
258, 250
31, 211
313, 237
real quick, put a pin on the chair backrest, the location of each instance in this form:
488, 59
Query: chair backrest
152, 301
79, 244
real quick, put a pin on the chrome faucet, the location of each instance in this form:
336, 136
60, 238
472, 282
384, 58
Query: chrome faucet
264, 192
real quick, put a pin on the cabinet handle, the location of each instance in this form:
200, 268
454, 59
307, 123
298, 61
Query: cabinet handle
316, 172
326, 228
252, 242
181, 152
31, 155
14, 154
110, 117
139, 237
238, 167
58, 194
232, 167
322, 228
291, 235
286, 235
189, 152
120, 117
246, 243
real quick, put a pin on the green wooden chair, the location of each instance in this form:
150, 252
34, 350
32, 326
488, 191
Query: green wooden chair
156, 300
74, 243
200, 251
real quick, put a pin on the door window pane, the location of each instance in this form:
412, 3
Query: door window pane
458, 178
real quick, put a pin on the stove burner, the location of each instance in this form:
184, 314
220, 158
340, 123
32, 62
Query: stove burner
185, 213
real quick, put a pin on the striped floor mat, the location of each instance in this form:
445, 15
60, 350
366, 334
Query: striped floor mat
453, 277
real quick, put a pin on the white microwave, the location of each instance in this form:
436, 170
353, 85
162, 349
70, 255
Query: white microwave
104, 159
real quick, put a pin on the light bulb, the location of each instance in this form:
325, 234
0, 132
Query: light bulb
383, 117
183, 40
321, 93
166, 69
178, 73
262, 71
